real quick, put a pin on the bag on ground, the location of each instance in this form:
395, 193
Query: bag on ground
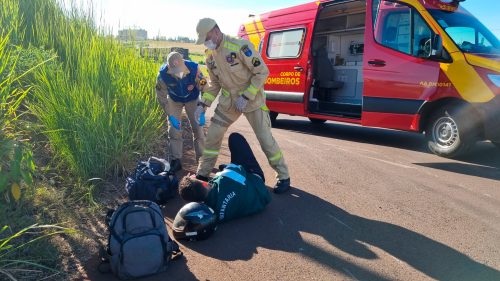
139, 244
152, 181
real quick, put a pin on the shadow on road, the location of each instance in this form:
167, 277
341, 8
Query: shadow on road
483, 153
465, 169
280, 226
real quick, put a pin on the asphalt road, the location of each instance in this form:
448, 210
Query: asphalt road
367, 204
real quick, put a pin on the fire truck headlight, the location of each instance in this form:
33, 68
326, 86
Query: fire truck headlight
495, 79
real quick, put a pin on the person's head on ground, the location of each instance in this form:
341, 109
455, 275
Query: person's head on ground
209, 33
192, 189
176, 65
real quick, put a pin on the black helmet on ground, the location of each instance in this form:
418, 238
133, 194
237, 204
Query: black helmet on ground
194, 221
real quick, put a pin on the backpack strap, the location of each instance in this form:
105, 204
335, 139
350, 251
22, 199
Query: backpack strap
105, 264
176, 252
109, 214
173, 250
166, 165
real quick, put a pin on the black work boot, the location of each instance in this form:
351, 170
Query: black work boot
175, 165
282, 186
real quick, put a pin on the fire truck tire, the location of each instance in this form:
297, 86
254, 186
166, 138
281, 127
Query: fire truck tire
273, 115
317, 121
450, 133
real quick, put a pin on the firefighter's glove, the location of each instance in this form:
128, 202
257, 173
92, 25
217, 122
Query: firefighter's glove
199, 114
174, 122
241, 103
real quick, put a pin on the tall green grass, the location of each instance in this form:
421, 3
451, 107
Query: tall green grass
97, 107
16, 163
16, 168
91, 98
12, 243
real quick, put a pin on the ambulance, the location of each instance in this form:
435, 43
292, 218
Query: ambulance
427, 66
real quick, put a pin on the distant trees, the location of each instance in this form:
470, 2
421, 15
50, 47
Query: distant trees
181, 39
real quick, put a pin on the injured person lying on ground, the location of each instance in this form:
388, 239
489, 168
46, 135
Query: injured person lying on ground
237, 190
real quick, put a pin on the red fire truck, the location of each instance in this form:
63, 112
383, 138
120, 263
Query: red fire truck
414, 65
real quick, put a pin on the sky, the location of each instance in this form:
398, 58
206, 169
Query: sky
173, 18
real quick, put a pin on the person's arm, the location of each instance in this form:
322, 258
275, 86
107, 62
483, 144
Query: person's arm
201, 81
252, 59
161, 93
212, 88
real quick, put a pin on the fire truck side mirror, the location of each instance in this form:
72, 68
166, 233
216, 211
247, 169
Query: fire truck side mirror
436, 48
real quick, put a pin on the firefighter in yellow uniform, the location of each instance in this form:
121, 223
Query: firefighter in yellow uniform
238, 73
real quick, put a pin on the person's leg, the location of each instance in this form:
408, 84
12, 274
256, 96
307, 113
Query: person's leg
198, 134
175, 135
218, 127
242, 154
261, 125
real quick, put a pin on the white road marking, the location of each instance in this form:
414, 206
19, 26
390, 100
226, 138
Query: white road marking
373, 158
350, 274
351, 147
339, 221
389, 162
297, 143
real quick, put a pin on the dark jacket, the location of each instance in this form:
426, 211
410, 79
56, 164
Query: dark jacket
236, 193
178, 88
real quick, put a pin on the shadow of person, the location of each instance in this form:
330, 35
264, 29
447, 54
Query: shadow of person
177, 268
289, 217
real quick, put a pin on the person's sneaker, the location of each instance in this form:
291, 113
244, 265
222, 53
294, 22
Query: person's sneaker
202, 178
282, 186
175, 165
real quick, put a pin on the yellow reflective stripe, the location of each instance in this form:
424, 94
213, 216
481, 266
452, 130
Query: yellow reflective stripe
466, 80
264, 107
208, 97
252, 89
254, 29
210, 152
231, 46
462, 75
225, 93
277, 156
260, 26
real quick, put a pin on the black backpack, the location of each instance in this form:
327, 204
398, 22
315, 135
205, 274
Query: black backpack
152, 180
138, 243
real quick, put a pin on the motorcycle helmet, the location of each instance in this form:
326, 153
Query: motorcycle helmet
194, 221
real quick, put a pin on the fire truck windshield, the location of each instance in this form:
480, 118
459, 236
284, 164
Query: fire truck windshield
470, 35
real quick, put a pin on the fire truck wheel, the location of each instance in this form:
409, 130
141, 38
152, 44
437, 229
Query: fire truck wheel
317, 121
450, 133
273, 115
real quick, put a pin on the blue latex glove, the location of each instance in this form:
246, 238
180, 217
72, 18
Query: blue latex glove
202, 119
200, 110
174, 122
241, 103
